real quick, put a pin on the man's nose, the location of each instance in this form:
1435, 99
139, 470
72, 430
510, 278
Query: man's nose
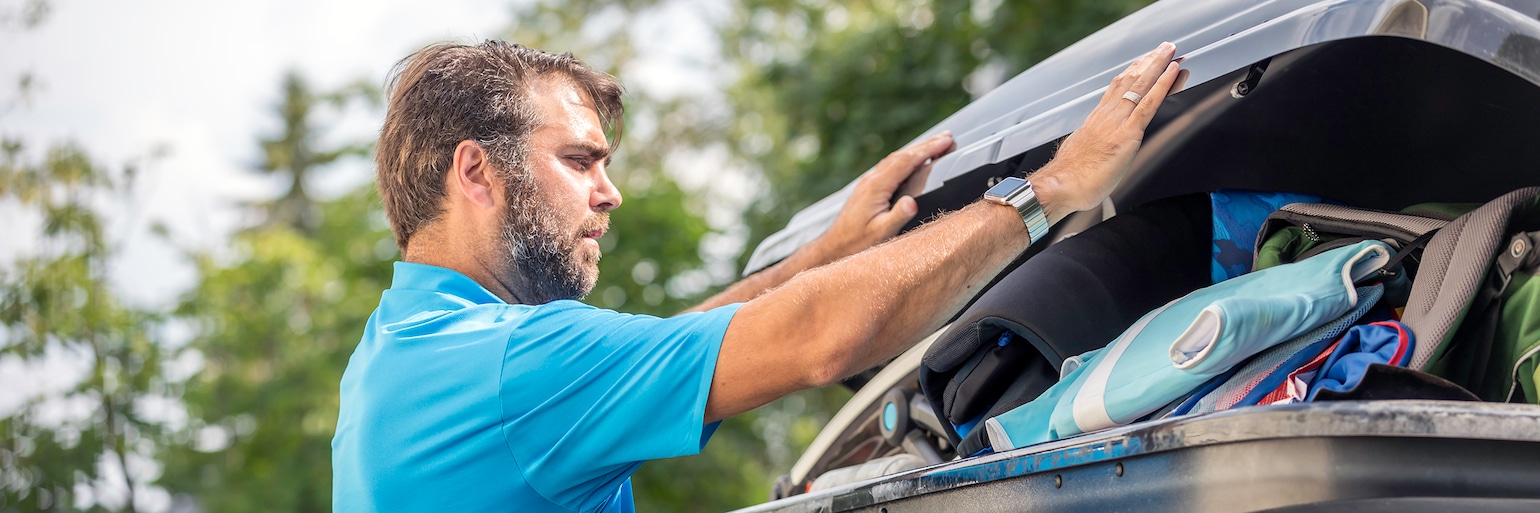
605, 196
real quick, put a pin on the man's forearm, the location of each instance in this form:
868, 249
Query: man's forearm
838, 319
753, 285
905, 289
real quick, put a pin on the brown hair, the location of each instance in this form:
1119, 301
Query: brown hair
447, 93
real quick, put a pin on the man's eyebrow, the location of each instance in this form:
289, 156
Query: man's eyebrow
594, 151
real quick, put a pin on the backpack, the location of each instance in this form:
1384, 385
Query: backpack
1475, 303
1517, 338
1473, 306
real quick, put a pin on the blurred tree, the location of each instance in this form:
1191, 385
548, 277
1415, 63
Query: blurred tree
28, 15
275, 317
87, 446
294, 154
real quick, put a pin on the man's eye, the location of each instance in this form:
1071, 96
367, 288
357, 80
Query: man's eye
581, 163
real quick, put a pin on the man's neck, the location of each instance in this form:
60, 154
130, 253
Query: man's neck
431, 249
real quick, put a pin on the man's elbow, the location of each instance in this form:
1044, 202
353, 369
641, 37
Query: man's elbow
825, 373
835, 357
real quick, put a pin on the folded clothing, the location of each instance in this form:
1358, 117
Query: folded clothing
1176, 348
1255, 381
1387, 342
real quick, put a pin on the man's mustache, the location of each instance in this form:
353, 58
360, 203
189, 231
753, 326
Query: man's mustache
599, 222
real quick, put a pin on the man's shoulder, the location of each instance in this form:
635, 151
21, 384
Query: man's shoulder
413, 316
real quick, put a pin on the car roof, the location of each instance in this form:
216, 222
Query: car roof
1217, 37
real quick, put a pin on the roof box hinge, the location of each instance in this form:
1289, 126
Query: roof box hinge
1253, 76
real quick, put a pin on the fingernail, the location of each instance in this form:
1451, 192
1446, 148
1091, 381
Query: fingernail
909, 206
1168, 46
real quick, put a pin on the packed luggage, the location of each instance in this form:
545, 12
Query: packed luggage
1164, 311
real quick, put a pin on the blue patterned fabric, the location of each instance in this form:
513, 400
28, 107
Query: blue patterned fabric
1238, 216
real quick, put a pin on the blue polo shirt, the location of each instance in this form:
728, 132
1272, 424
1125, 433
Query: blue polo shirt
457, 401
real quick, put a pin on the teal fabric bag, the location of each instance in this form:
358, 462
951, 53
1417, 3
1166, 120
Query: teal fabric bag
1175, 349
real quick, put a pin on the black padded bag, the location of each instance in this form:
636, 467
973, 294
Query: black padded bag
1073, 297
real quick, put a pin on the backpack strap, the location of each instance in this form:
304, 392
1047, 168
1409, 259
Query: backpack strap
1453, 268
1388, 270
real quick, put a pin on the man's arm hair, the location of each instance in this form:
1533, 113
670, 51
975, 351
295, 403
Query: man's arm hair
866, 220
833, 321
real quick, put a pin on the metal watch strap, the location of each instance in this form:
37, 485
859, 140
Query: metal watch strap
1031, 211
1025, 201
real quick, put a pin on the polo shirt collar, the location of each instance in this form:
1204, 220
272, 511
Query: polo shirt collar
414, 276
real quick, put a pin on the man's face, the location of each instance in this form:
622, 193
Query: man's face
554, 218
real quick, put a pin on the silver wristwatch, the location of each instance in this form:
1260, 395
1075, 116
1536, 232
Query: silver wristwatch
1017, 192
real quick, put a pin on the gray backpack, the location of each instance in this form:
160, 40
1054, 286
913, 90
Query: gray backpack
1470, 326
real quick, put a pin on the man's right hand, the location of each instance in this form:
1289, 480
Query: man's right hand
871, 215
1096, 157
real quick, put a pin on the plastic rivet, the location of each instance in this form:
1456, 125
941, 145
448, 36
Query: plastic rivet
1058, 481
1118, 469
1517, 250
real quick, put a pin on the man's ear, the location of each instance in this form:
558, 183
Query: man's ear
472, 174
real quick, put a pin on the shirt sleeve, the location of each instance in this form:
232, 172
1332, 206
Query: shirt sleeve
589, 394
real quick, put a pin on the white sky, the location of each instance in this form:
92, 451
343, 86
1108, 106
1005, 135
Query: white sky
200, 78
123, 78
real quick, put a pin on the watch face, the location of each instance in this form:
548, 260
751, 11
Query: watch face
1005, 187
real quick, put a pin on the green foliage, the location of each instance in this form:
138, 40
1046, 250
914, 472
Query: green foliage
294, 152
275, 326
55, 300
276, 316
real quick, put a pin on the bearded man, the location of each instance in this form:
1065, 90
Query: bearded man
481, 384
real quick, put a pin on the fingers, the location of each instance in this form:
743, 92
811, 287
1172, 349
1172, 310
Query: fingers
909, 165
1145, 111
1120, 82
915, 184
1140, 73
888, 223
1152, 66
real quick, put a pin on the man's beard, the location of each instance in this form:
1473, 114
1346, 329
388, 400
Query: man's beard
542, 257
